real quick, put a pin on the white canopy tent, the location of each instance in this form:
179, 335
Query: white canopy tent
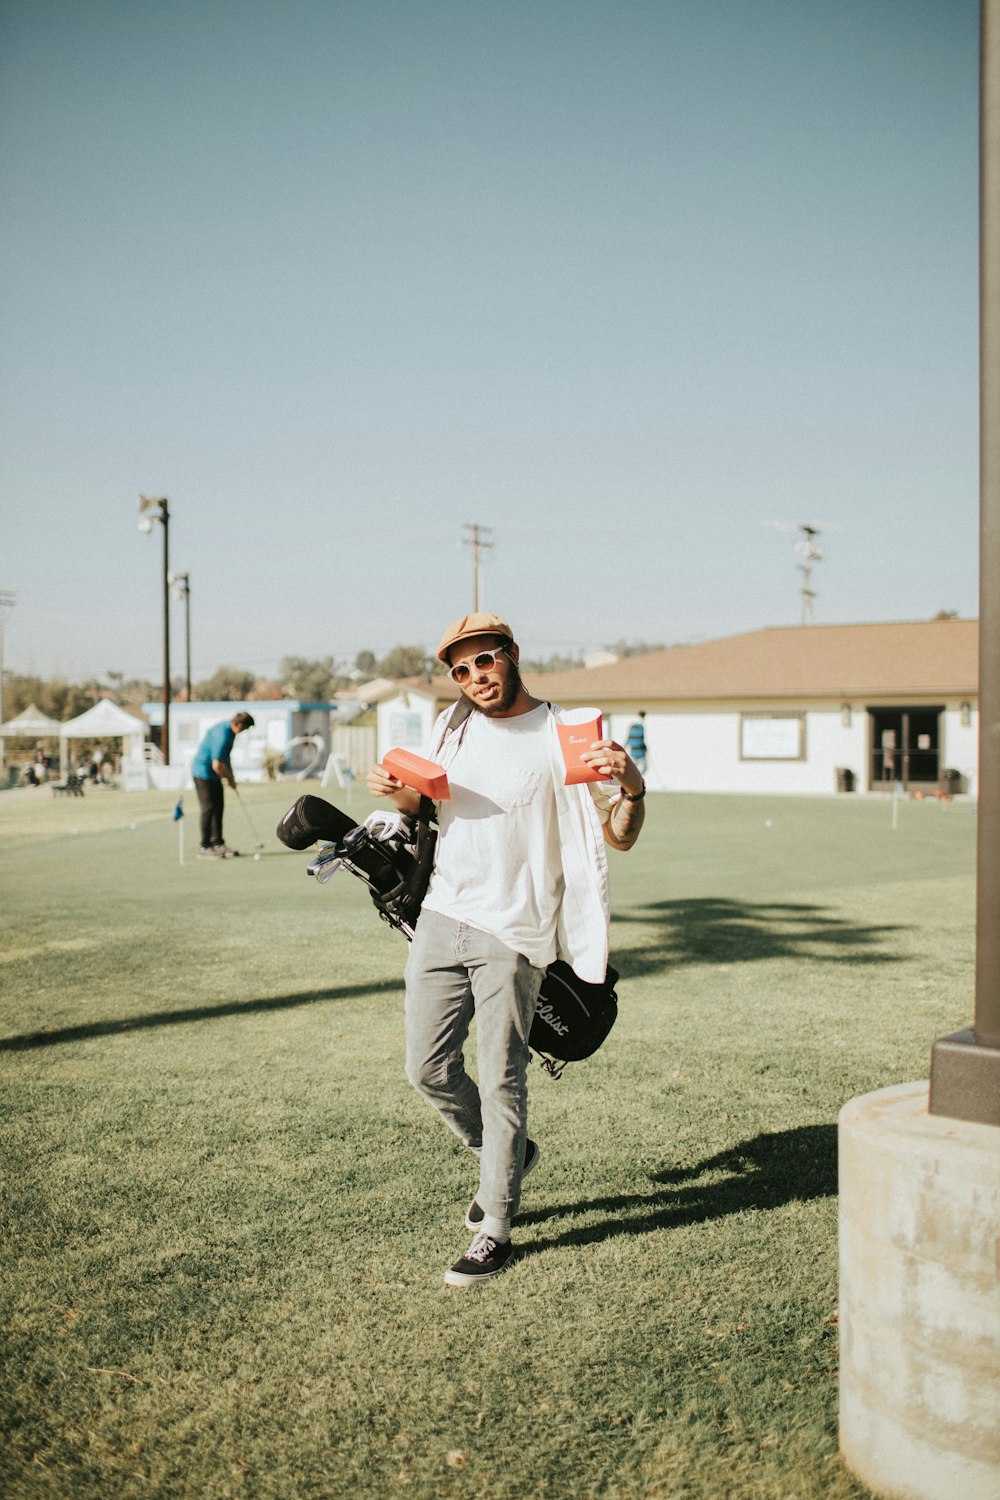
30, 724
102, 722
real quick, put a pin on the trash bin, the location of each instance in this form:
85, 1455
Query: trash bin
845, 779
951, 782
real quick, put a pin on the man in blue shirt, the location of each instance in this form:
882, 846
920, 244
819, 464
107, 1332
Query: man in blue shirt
635, 742
210, 768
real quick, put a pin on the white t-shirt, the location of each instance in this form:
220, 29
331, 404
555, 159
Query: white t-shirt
499, 863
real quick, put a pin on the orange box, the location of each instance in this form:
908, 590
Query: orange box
423, 776
576, 736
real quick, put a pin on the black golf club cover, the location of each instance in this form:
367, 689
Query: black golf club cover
310, 819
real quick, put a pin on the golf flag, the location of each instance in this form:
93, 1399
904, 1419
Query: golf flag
179, 809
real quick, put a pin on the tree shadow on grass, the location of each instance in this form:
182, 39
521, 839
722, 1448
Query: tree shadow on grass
784, 1166
193, 1013
718, 930
699, 931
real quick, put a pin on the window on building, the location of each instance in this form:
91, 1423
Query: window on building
772, 737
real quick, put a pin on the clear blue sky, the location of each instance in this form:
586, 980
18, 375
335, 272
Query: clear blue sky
624, 281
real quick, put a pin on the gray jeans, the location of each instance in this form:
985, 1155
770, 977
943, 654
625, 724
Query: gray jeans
455, 972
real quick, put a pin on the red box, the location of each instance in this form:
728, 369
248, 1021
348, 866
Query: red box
423, 776
574, 738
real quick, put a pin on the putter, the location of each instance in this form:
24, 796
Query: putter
253, 832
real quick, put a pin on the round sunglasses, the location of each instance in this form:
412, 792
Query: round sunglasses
482, 661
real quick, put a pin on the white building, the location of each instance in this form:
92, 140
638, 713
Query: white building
300, 731
798, 709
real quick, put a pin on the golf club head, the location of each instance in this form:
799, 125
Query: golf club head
385, 826
380, 866
312, 818
325, 865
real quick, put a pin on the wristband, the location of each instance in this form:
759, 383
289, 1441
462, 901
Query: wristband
634, 797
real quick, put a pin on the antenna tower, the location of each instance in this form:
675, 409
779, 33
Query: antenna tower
809, 553
477, 541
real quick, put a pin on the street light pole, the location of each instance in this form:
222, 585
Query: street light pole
155, 508
180, 585
6, 603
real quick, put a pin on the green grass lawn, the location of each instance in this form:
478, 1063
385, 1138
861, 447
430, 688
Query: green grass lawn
226, 1215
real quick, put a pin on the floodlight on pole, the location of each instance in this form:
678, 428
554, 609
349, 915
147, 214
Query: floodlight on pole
153, 508
180, 587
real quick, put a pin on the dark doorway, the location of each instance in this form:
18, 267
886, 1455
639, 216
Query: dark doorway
905, 746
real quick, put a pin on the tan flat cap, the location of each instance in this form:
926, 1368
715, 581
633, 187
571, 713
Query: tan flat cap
477, 624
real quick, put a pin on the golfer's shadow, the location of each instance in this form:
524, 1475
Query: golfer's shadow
769, 1170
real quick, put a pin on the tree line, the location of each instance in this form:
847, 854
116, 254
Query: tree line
311, 680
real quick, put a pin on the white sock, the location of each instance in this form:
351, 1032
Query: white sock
497, 1229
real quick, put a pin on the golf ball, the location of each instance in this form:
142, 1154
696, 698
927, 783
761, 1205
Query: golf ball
256, 856
131, 825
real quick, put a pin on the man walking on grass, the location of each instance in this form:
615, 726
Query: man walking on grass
520, 877
210, 768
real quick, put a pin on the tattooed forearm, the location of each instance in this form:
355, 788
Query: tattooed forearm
625, 822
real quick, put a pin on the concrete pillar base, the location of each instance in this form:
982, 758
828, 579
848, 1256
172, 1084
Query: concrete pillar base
919, 1298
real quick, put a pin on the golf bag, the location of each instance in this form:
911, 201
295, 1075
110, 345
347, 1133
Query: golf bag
393, 853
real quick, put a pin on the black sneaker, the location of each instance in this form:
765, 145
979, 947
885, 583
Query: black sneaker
474, 1214
484, 1258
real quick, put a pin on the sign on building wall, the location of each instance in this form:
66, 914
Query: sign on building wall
406, 730
404, 721
772, 737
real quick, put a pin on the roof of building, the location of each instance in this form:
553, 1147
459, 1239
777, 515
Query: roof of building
917, 658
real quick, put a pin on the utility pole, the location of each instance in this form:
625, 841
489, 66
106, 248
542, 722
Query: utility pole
7, 600
477, 541
809, 553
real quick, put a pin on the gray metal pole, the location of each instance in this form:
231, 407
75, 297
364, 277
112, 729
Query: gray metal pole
187, 633
965, 1067
988, 909
6, 602
165, 742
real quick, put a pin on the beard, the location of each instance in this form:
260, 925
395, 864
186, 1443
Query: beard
508, 694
